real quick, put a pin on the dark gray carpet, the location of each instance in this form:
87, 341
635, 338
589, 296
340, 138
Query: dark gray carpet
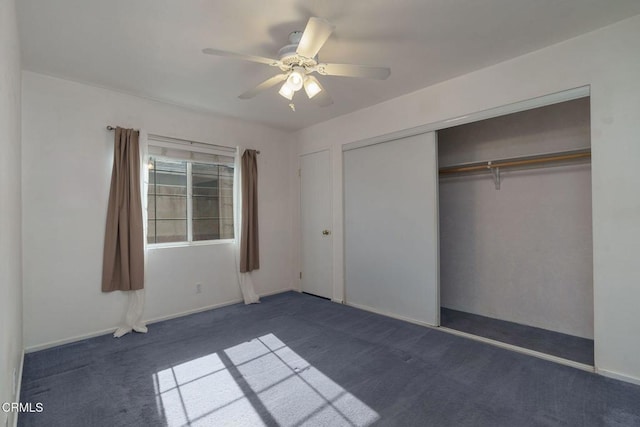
298, 360
549, 342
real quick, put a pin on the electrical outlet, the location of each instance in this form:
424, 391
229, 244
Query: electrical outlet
198, 288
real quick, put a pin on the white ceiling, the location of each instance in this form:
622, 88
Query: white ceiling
153, 48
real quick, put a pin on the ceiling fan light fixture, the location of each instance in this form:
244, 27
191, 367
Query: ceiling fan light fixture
298, 59
312, 86
296, 78
287, 91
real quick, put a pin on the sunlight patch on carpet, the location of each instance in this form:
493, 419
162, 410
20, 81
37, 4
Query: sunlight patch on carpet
255, 383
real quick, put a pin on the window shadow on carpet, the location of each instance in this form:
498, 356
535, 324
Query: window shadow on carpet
259, 382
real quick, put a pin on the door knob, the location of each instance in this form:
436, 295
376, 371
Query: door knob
325, 232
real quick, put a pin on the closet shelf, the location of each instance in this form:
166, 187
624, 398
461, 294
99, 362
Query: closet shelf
517, 161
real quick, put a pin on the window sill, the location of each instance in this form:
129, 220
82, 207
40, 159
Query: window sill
153, 246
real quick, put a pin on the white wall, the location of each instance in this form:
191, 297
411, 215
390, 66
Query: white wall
67, 160
563, 126
522, 253
607, 60
10, 205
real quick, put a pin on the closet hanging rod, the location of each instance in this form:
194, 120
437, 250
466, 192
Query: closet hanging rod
185, 141
517, 161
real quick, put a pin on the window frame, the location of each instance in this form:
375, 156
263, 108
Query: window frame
189, 163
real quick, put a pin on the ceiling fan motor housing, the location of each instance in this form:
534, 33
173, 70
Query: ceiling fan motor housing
287, 52
290, 58
295, 37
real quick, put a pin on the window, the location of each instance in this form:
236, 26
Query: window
190, 196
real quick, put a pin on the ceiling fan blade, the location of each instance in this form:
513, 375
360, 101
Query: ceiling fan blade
314, 36
253, 58
263, 86
348, 70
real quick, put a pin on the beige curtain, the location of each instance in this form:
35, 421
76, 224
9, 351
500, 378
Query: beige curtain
249, 252
123, 259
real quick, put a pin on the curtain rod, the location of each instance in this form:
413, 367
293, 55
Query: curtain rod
184, 141
518, 161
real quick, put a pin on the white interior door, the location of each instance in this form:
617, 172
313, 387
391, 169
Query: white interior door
316, 220
391, 228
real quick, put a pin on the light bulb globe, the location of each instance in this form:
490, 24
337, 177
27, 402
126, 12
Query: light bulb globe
296, 78
312, 86
287, 91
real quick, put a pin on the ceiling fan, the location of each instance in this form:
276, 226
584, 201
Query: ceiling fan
299, 60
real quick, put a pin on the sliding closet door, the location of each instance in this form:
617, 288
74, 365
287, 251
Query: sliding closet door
391, 228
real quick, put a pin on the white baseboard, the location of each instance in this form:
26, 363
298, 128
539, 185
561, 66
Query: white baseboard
69, 340
517, 349
209, 307
192, 311
394, 316
107, 331
279, 291
521, 350
618, 376
559, 360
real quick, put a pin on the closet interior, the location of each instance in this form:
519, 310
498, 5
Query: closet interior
515, 230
